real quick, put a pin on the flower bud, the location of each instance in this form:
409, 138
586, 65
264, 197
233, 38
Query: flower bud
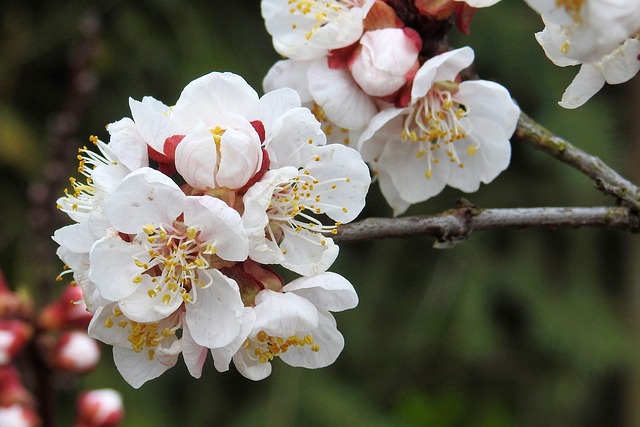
12, 392
100, 408
68, 311
383, 63
75, 352
14, 334
18, 416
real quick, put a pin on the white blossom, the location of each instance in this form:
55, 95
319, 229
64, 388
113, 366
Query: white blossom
452, 133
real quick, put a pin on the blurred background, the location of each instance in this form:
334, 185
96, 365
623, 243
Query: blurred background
523, 328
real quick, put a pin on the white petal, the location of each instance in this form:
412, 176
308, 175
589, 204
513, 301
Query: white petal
288, 73
442, 67
193, 353
197, 158
381, 65
344, 199
145, 196
207, 98
153, 122
391, 193
213, 316
219, 224
554, 40
294, 136
326, 336
113, 268
76, 238
127, 143
141, 307
328, 290
283, 315
490, 101
273, 104
385, 127
585, 84
251, 368
222, 356
240, 159
343, 101
492, 156
137, 368
407, 171
304, 252
623, 63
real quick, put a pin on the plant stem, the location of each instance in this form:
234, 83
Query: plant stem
606, 179
457, 224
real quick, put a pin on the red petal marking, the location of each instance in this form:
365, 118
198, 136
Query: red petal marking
380, 16
170, 145
264, 167
259, 127
339, 58
464, 14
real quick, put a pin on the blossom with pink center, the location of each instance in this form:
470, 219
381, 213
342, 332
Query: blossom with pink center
452, 133
307, 29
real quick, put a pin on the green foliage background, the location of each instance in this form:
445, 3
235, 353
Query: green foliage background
520, 328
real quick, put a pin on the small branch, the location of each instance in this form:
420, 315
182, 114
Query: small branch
606, 179
458, 224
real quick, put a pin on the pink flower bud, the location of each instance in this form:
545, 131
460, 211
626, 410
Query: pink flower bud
384, 59
12, 391
18, 416
100, 408
10, 304
68, 311
14, 334
75, 352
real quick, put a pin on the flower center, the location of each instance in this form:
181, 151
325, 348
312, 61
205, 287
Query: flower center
141, 335
265, 347
328, 127
178, 261
296, 201
82, 197
572, 8
435, 123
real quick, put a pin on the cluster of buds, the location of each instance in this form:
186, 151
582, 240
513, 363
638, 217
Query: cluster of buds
17, 406
182, 216
57, 343
381, 77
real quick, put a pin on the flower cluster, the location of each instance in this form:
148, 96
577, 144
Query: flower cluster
180, 217
601, 36
408, 112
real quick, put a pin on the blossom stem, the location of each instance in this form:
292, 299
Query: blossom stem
457, 224
606, 179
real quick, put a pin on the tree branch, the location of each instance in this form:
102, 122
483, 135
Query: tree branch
457, 224
606, 179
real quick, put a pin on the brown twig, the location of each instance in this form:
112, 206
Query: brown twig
606, 179
457, 224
